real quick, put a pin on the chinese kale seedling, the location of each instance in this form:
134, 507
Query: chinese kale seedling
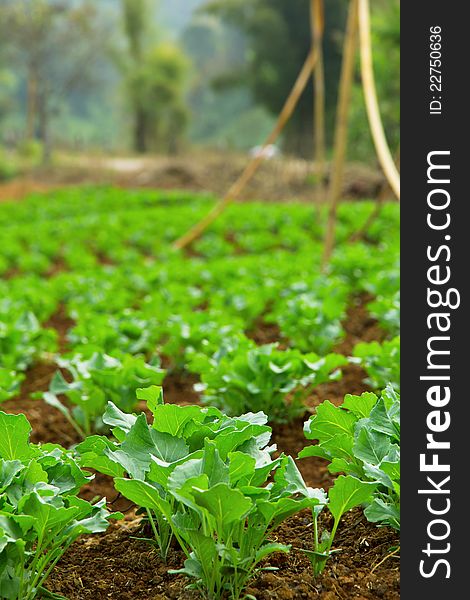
202, 477
250, 377
362, 438
95, 380
40, 513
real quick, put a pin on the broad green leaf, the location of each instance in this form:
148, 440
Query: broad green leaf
258, 418
329, 421
380, 511
172, 419
340, 446
118, 420
161, 470
371, 446
314, 450
228, 441
270, 548
223, 503
192, 568
361, 405
241, 467
59, 385
141, 443
384, 421
182, 473
288, 480
213, 466
375, 473
47, 515
341, 465
184, 491
8, 471
275, 512
391, 397
153, 395
92, 455
392, 469
348, 492
14, 437
143, 494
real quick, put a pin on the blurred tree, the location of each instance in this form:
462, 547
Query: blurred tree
155, 77
278, 41
56, 44
226, 116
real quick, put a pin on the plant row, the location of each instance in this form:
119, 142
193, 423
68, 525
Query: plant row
211, 483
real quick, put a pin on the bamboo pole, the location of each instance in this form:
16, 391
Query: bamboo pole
254, 164
372, 105
360, 233
317, 18
341, 128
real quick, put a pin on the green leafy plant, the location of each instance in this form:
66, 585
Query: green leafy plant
149, 453
22, 339
386, 309
362, 438
226, 514
202, 477
248, 377
346, 493
40, 513
95, 380
311, 319
381, 361
10, 382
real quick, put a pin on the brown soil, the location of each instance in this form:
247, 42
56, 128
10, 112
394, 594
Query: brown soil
114, 565
19, 188
104, 259
102, 486
348, 574
49, 425
58, 266
62, 323
266, 333
289, 439
359, 326
178, 388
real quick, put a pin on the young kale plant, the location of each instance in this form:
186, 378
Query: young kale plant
386, 309
250, 377
22, 341
10, 382
149, 453
40, 513
202, 477
380, 361
96, 380
346, 493
312, 320
227, 512
362, 439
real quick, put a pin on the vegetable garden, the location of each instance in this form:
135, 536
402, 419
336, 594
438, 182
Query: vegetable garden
218, 421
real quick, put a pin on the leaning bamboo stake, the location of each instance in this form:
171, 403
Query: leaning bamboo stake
317, 24
254, 164
341, 129
360, 233
372, 105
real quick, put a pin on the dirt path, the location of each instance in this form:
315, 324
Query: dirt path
279, 179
